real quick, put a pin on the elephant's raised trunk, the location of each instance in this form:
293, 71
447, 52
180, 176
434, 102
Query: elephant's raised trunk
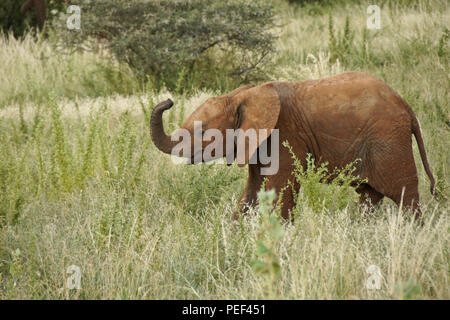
159, 138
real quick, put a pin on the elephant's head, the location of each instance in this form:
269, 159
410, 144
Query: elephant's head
245, 108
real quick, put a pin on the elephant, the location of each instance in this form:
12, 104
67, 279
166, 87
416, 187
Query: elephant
340, 119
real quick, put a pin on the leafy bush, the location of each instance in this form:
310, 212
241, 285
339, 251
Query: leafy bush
166, 40
343, 46
323, 190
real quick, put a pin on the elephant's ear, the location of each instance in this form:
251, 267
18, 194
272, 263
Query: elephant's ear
256, 109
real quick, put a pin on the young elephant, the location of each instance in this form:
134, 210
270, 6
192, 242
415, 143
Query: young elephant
338, 120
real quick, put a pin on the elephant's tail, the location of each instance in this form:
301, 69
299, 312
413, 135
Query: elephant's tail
418, 134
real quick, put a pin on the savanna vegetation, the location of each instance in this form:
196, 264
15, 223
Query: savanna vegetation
82, 184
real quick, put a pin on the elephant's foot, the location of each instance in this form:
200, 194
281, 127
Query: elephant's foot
242, 209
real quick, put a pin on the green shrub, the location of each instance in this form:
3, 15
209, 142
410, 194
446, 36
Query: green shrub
174, 42
323, 190
341, 45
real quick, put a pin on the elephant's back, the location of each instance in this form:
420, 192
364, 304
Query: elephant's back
351, 94
340, 110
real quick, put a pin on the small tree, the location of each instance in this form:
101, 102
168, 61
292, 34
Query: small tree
165, 39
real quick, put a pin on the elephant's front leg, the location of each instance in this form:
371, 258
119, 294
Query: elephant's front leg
284, 185
279, 182
249, 197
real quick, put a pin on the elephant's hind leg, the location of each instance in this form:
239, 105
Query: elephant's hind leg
407, 195
394, 172
368, 197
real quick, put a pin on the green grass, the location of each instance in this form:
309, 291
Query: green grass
82, 184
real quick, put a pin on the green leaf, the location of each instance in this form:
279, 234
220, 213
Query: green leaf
276, 268
261, 249
258, 266
277, 232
